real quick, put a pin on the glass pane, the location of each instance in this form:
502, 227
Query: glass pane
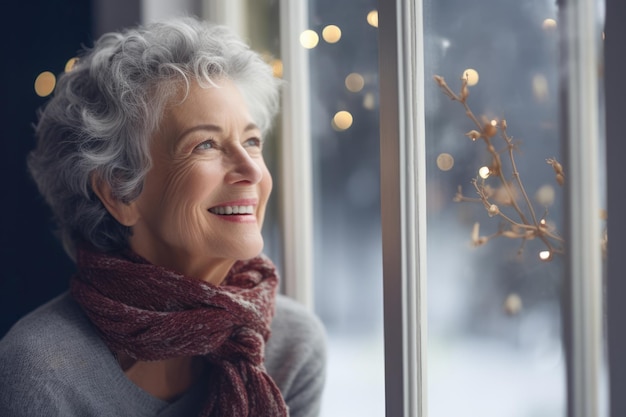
347, 259
495, 259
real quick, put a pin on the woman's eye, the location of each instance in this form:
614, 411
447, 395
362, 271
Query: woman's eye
207, 144
253, 142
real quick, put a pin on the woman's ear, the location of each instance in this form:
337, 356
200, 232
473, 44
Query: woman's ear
125, 213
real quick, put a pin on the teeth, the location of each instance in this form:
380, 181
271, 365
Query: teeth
226, 210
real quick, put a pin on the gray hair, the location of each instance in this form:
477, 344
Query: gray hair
106, 108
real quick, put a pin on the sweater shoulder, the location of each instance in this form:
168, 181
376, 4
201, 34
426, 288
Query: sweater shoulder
55, 326
42, 356
295, 330
295, 356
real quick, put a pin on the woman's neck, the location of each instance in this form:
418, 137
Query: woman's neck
167, 379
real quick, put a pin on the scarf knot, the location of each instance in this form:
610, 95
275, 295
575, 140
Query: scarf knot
152, 313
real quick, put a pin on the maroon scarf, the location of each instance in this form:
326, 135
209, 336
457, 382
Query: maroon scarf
152, 313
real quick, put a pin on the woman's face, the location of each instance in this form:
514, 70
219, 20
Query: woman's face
203, 201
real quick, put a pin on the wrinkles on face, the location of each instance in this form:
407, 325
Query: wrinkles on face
217, 162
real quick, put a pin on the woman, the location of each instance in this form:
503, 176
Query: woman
150, 157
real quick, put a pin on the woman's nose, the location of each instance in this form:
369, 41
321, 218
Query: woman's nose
243, 167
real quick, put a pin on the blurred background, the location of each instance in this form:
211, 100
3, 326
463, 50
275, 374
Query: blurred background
495, 346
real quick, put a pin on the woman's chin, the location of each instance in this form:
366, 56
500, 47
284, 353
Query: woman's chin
249, 250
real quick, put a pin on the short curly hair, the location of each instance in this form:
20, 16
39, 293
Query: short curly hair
106, 109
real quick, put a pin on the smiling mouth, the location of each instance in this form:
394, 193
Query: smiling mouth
232, 210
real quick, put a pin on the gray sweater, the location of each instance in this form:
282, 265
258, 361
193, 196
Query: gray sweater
53, 363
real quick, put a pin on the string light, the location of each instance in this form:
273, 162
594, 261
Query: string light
309, 39
484, 172
331, 34
45, 83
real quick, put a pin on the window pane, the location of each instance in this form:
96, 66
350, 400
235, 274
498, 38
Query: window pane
494, 286
348, 260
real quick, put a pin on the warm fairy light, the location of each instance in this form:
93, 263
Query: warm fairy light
543, 222
471, 75
540, 87
445, 161
545, 255
309, 39
342, 120
484, 172
69, 65
372, 18
549, 24
494, 123
277, 68
369, 101
331, 34
45, 83
355, 82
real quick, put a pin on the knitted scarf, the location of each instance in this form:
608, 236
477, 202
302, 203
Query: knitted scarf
152, 313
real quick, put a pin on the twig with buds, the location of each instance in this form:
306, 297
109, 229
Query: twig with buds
523, 223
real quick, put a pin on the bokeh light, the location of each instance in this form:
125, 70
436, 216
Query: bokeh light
342, 120
331, 34
309, 39
540, 87
372, 18
471, 75
69, 65
45, 83
354, 82
277, 68
513, 304
545, 195
545, 255
445, 161
548, 24
484, 172
369, 101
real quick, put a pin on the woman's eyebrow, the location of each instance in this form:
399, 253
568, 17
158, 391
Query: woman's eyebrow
213, 128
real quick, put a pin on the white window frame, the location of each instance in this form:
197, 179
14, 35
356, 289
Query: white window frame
403, 205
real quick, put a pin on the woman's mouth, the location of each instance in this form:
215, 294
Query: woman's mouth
230, 210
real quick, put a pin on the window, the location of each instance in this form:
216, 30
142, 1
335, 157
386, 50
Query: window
483, 325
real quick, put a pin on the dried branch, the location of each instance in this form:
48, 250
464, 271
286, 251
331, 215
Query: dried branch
523, 223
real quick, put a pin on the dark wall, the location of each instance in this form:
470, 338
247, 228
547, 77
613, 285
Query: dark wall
37, 35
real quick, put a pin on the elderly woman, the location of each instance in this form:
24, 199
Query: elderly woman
150, 156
